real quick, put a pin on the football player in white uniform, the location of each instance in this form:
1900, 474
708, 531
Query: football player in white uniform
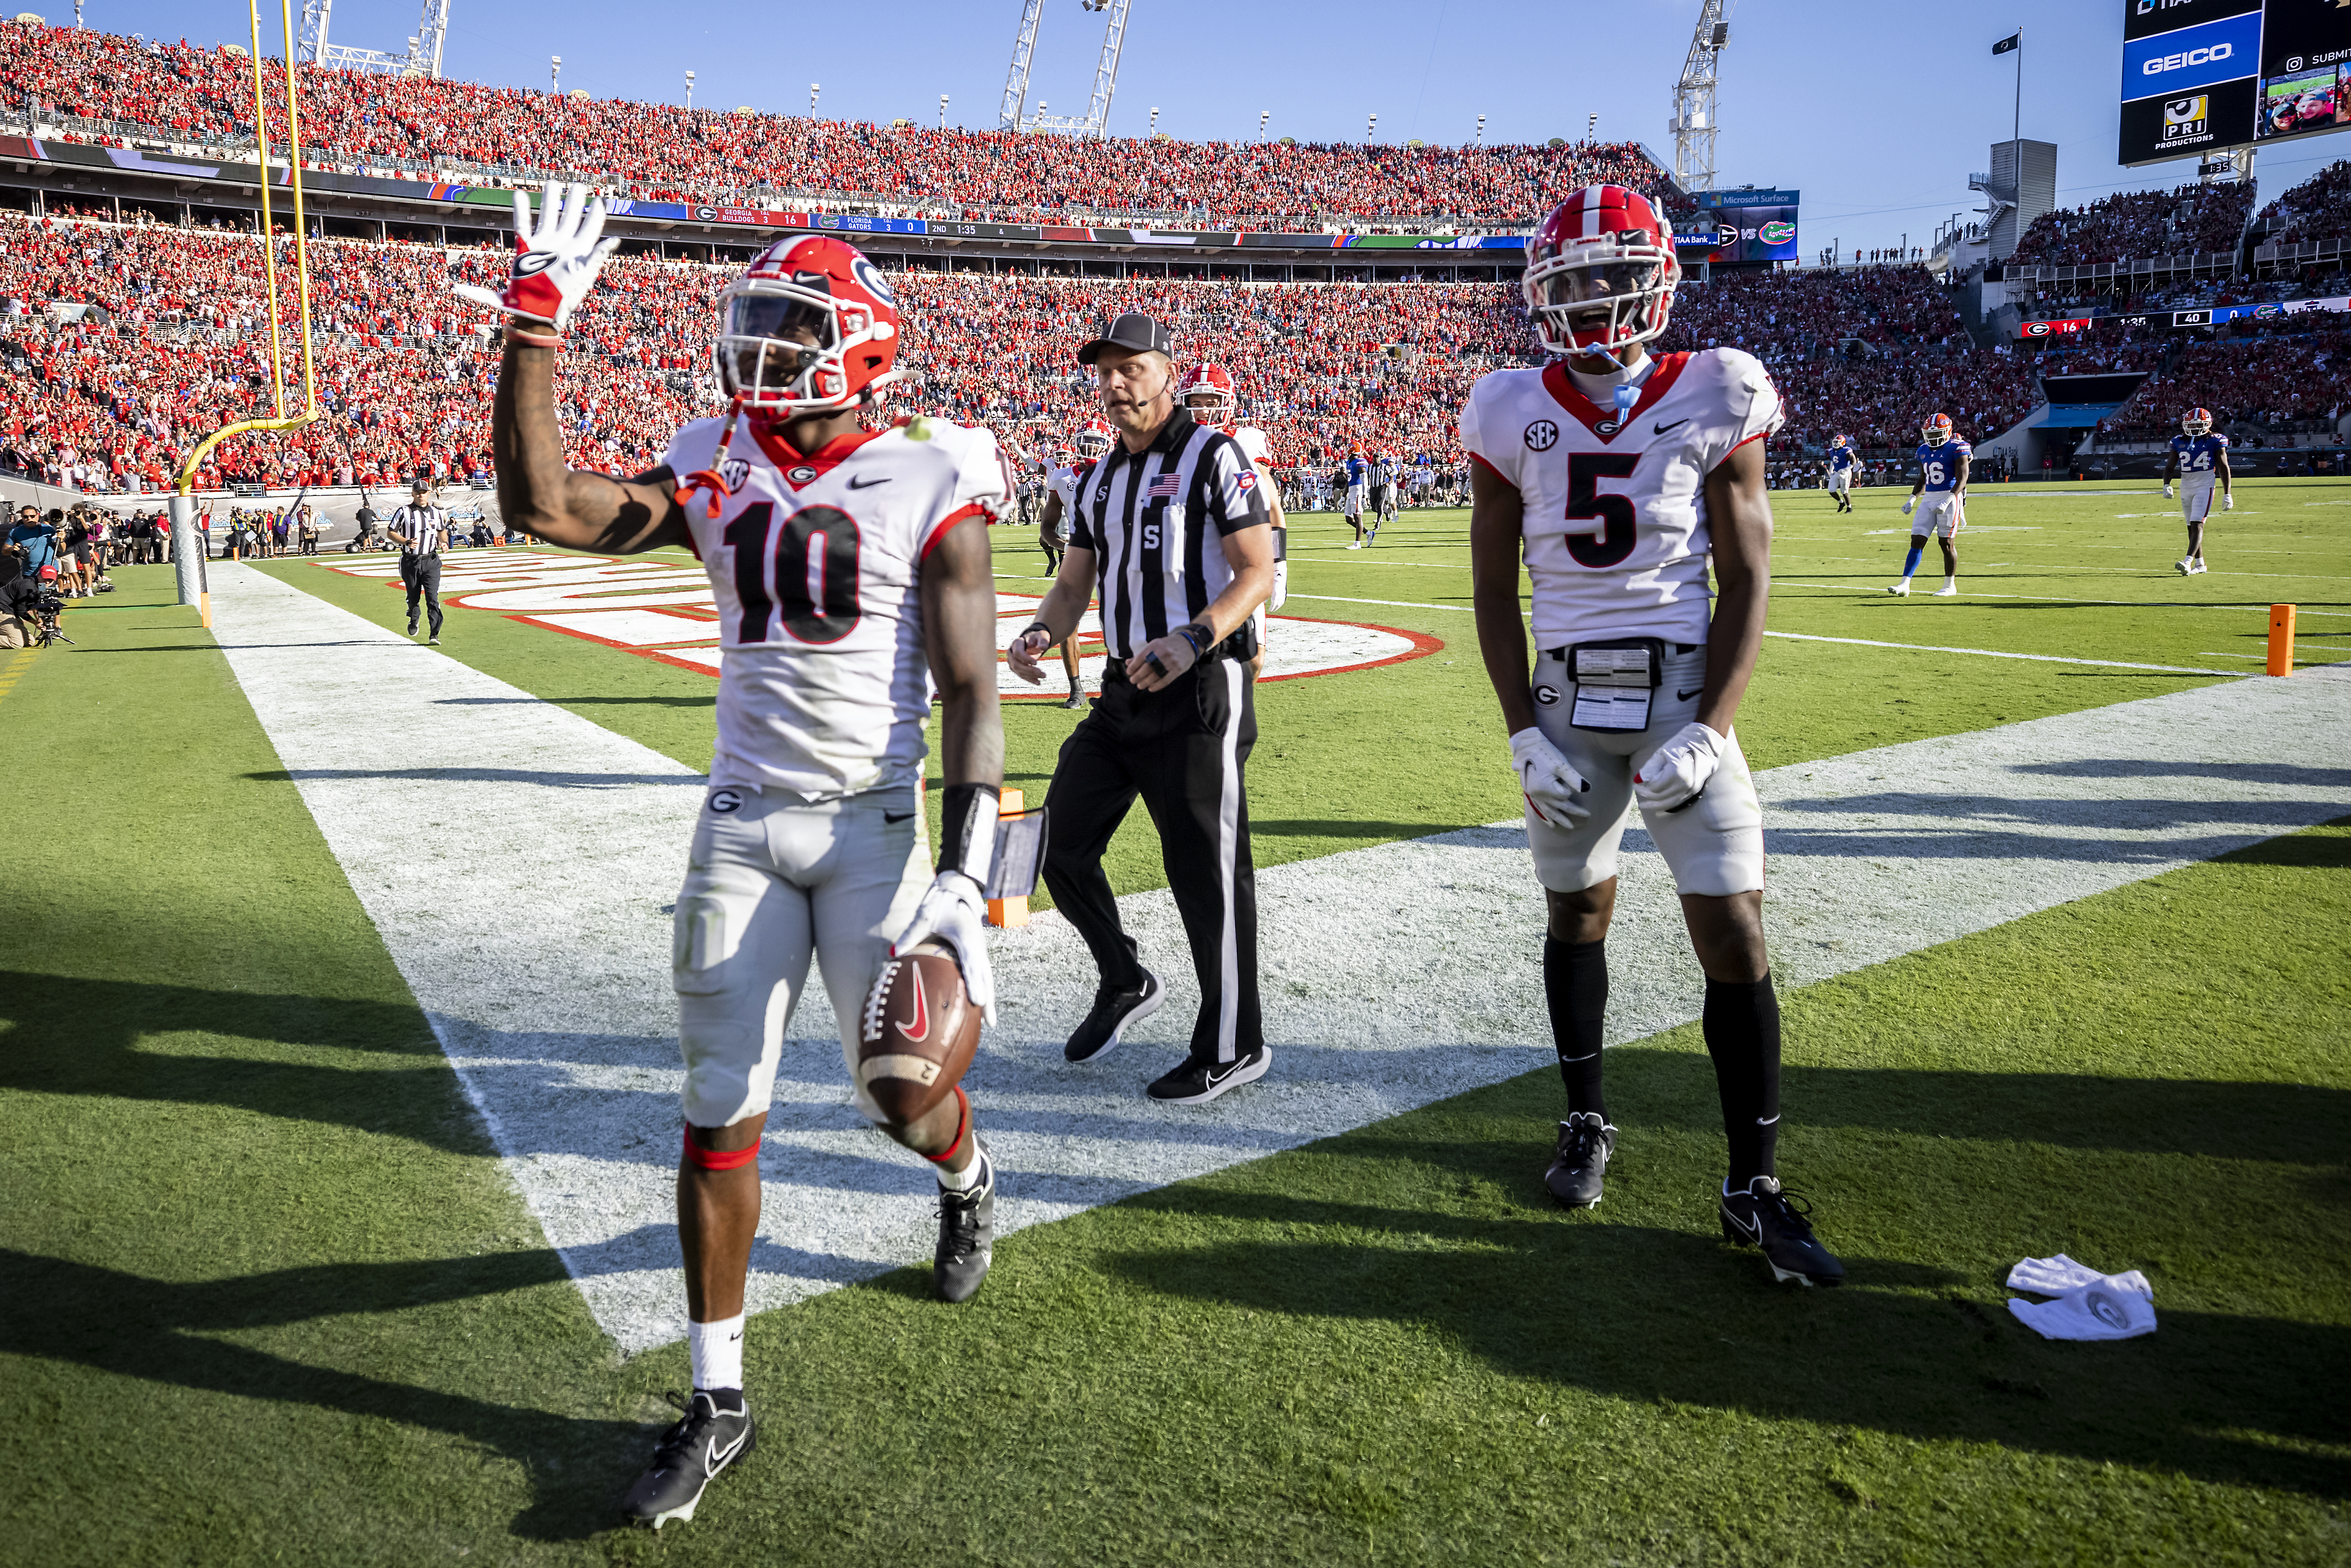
1614, 474
846, 563
1214, 400
2198, 458
1090, 444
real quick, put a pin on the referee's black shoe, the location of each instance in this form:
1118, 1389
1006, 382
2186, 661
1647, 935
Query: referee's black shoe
1114, 1009
1195, 1081
1762, 1216
1585, 1142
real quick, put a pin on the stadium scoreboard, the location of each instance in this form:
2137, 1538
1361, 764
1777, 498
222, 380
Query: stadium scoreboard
2202, 77
1734, 226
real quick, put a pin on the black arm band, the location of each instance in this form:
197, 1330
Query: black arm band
968, 829
1037, 626
1192, 631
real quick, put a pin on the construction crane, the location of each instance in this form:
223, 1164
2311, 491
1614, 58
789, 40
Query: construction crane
422, 58
1012, 114
1693, 122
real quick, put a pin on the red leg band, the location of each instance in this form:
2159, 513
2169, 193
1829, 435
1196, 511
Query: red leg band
963, 1129
715, 1160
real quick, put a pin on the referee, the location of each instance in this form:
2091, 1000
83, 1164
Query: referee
1174, 527
422, 528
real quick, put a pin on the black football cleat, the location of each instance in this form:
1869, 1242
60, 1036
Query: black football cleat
717, 1430
1763, 1216
1192, 1082
967, 1239
1585, 1141
1112, 1011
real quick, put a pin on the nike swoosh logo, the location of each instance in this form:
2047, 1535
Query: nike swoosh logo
1216, 1077
915, 1028
1753, 1226
714, 1458
1661, 429
899, 817
869, 483
1685, 697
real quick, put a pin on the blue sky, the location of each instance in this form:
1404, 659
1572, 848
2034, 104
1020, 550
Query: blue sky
1877, 110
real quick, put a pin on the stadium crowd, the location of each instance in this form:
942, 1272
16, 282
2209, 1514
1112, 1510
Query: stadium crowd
662, 152
2318, 208
2132, 224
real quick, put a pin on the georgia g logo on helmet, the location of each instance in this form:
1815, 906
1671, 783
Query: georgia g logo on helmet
811, 326
1601, 272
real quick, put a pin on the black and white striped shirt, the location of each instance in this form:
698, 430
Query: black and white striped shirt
425, 529
1156, 521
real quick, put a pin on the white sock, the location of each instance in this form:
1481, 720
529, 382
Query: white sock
977, 1173
717, 1351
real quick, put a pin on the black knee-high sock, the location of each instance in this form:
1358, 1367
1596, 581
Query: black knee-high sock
1741, 1024
1575, 983
2195, 538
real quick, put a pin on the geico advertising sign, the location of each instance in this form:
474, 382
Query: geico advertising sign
2187, 58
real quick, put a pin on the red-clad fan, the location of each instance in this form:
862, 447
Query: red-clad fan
1613, 476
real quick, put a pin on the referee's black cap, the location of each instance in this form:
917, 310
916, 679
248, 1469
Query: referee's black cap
1134, 333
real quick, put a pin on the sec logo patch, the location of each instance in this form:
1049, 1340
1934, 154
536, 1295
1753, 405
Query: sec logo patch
1542, 435
725, 800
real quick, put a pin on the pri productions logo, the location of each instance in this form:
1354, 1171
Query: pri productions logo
2185, 116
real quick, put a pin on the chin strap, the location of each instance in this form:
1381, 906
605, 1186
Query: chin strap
708, 478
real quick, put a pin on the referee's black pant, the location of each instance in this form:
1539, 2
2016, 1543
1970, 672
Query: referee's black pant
1183, 749
422, 574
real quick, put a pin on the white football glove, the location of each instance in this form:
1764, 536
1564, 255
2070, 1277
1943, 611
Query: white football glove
2167, 491
955, 910
1675, 774
557, 260
1550, 784
2227, 501
1907, 505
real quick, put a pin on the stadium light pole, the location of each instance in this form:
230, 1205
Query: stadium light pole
1481, 130
1591, 126
1263, 116
555, 75
1372, 130
812, 100
689, 89
1154, 122
943, 111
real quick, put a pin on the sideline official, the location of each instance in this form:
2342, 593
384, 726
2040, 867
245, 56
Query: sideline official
423, 531
1174, 527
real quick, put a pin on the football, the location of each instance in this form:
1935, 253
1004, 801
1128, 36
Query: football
918, 1034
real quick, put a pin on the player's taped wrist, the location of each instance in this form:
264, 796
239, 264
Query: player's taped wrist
967, 831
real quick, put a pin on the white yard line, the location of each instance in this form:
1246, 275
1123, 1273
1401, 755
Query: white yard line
517, 860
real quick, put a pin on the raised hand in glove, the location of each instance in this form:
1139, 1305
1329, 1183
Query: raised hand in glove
1551, 786
1908, 504
557, 260
955, 910
1675, 774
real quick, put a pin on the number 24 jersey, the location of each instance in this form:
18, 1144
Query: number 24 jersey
1615, 521
815, 564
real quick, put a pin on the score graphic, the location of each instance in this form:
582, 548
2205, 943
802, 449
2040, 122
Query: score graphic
2202, 76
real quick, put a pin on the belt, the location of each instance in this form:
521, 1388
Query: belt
1561, 651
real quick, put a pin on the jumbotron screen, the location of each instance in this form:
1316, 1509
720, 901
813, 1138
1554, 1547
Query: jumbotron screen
1743, 225
2202, 77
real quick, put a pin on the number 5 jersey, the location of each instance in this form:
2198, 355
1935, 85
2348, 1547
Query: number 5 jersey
1616, 520
816, 562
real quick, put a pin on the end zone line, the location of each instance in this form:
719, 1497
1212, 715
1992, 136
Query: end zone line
1996, 653
2063, 598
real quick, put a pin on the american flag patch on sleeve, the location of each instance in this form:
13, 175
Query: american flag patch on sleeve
1168, 485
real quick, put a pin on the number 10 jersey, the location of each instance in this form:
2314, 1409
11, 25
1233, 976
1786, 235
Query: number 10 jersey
816, 563
1615, 521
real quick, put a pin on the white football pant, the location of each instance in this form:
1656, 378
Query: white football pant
771, 880
1940, 513
2195, 496
1714, 846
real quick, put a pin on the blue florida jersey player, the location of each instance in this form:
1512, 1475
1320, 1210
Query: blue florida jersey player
847, 564
1613, 474
1939, 496
2198, 459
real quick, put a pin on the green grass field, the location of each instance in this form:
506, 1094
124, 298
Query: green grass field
269, 1297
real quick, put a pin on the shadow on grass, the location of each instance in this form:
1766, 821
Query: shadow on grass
160, 1331
83, 1037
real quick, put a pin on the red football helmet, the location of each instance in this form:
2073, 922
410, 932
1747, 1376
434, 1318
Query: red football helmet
809, 328
2196, 422
1207, 390
1601, 272
1094, 439
1935, 431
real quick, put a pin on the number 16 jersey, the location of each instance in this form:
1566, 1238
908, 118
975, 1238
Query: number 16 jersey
816, 563
1615, 521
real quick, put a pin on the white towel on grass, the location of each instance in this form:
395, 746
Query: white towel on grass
2087, 1305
